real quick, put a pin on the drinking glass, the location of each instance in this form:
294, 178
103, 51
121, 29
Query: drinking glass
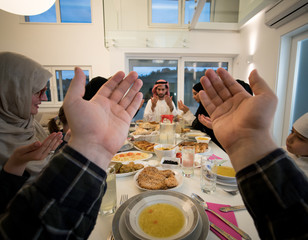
167, 133
109, 202
188, 158
208, 174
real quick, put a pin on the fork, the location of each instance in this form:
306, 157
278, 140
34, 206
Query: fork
123, 198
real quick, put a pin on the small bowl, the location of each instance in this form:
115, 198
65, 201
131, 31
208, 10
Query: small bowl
169, 162
164, 150
203, 139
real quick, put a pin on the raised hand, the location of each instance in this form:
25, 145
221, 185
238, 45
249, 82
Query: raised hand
154, 100
206, 121
99, 127
182, 106
168, 100
241, 122
33, 152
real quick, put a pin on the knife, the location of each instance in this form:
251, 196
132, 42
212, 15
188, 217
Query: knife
222, 232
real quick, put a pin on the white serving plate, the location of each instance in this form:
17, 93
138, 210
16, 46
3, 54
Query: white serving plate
178, 177
149, 155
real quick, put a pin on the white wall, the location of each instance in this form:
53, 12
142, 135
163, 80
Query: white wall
58, 44
264, 43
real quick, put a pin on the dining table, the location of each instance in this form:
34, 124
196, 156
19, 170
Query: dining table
126, 185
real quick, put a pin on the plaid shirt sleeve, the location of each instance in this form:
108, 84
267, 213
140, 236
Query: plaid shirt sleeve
62, 203
275, 192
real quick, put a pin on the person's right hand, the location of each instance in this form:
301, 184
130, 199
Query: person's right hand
241, 122
33, 152
154, 101
182, 106
99, 127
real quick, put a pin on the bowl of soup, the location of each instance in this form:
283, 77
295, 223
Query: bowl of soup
164, 150
203, 139
226, 173
168, 216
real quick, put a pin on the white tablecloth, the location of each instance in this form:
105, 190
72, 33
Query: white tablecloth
190, 185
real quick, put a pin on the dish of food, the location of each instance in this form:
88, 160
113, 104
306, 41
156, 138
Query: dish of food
199, 147
163, 216
128, 169
152, 178
121, 230
144, 146
131, 156
226, 173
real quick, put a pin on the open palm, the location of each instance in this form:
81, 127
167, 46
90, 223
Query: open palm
102, 123
235, 113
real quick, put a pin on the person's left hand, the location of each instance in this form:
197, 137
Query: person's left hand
168, 100
33, 152
206, 121
99, 127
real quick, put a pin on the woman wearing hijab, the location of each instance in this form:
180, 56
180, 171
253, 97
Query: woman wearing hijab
23, 85
193, 119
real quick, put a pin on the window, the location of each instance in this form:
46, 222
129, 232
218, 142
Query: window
164, 12
151, 70
181, 73
58, 84
193, 71
67, 11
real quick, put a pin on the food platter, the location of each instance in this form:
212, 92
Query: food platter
130, 156
120, 175
178, 177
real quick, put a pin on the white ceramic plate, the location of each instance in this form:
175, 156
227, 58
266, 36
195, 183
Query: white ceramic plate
178, 177
142, 150
207, 151
127, 146
119, 175
146, 156
192, 135
180, 201
120, 231
229, 184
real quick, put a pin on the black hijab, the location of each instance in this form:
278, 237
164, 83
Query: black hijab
93, 86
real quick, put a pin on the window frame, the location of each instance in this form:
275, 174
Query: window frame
58, 16
53, 84
181, 64
180, 24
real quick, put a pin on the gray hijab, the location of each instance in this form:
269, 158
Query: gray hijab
20, 78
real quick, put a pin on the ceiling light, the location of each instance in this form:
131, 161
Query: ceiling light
26, 7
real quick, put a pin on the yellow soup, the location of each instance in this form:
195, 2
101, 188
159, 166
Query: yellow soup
161, 220
225, 171
163, 148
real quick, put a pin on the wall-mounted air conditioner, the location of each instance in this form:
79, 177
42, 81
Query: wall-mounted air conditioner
284, 11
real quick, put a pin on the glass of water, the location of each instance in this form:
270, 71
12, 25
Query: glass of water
208, 174
188, 159
109, 202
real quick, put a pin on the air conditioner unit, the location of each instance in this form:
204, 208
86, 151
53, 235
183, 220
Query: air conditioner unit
284, 11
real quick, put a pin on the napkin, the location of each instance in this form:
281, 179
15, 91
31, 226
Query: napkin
221, 224
213, 156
